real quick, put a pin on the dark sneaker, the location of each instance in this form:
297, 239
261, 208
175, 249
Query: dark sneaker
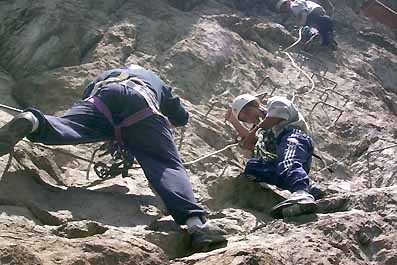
207, 237
300, 202
13, 132
316, 191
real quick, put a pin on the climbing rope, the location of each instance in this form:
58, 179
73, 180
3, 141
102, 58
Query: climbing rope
285, 51
313, 85
9, 108
296, 42
210, 154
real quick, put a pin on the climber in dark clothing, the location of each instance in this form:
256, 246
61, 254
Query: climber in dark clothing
311, 14
134, 107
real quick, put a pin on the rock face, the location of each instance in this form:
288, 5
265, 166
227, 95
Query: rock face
210, 51
24, 242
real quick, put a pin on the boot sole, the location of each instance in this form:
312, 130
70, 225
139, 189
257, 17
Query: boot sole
299, 209
208, 245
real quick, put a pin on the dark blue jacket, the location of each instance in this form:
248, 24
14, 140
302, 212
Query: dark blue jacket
170, 105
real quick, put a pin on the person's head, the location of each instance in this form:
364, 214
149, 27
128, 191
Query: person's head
246, 108
283, 6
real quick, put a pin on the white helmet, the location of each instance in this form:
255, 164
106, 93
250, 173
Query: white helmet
240, 102
279, 4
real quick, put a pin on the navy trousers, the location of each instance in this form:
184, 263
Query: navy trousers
294, 157
149, 140
324, 26
290, 170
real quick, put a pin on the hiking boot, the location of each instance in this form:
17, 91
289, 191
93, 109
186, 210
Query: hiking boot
11, 133
300, 202
207, 237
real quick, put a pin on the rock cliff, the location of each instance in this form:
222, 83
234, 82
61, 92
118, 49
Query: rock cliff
210, 51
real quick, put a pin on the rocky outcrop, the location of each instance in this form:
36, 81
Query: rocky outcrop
209, 51
22, 242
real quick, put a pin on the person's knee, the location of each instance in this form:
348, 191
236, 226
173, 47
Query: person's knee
291, 169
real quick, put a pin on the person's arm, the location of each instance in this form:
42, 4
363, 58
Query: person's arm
241, 130
172, 107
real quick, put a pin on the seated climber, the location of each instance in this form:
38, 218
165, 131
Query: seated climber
311, 14
134, 107
284, 127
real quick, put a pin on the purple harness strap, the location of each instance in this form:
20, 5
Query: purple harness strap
130, 120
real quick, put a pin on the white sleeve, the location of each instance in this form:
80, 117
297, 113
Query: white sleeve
278, 109
299, 8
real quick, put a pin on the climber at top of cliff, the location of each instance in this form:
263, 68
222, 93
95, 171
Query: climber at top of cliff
311, 15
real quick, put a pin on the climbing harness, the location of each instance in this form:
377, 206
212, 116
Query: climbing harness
134, 83
133, 119
122, 76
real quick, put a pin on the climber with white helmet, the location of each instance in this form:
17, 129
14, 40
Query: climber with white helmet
135, 108
293, 148
310, 14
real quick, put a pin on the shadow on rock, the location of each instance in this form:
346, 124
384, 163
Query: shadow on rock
242, 193
49, 204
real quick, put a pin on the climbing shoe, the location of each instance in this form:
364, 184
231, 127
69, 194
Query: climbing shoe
19, 127
207, 237
300, 202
